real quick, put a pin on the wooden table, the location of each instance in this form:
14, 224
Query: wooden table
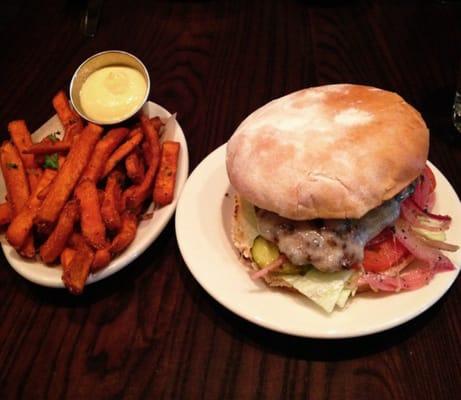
150, 331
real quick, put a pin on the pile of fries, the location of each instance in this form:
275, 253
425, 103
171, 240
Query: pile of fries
78, 199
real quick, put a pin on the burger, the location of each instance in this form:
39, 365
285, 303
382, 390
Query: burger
334, 195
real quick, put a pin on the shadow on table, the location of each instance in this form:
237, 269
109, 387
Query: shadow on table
298, 347
338, 349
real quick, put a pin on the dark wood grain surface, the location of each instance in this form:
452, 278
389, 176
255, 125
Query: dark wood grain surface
151, 331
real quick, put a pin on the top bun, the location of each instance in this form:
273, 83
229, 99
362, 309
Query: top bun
333, 151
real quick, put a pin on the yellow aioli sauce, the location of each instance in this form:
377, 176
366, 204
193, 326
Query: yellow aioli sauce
111, 94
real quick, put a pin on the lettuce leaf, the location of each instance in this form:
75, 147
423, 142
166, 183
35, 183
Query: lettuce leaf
324, 289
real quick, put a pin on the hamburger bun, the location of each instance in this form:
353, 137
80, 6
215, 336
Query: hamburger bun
333, 151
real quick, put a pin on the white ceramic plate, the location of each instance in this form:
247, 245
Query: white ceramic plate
203, 219
148, 230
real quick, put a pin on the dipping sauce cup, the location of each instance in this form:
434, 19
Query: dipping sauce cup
109, 87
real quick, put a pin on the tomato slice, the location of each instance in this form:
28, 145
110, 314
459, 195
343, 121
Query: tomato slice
384, 251
383, 255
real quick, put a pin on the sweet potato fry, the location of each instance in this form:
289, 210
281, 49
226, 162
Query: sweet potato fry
21, 225
93, 228
48, 147
5, 213
135, 195
110, 208
151, 128
127, 233
154, 122
66, 257
57, 240
157, 123
14, 174
33, 176
103, 150
67, 177
76, 274
17, 187
28, 248
73, 124
119, 154
44, 143
101, 259
134, 167
61, 160
21, 138
166, 176
146, 152
100, 196
43, 193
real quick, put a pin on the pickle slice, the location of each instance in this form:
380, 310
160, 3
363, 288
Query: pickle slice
265, 252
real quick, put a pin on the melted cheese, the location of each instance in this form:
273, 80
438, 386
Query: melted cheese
328, 245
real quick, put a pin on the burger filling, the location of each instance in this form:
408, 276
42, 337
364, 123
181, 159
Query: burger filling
331, 244
329, 260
